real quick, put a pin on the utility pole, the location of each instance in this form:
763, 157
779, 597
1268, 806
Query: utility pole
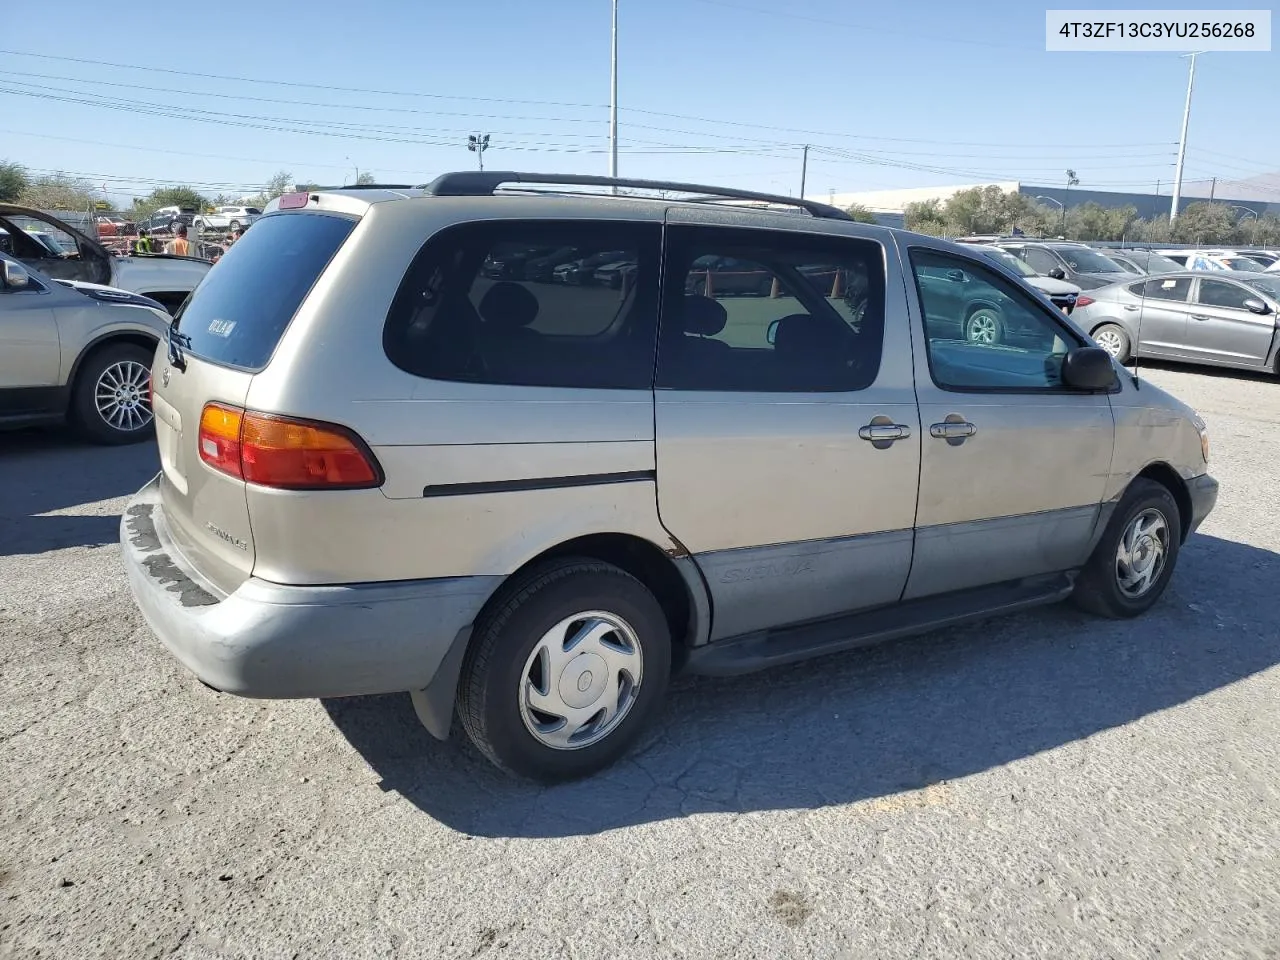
1213, 188
478, 143
1182, 143
804, 169
613, 98
1072, 181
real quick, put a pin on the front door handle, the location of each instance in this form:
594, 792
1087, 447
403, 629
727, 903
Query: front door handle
876, 432
954, 430
1200, 316
1130, 307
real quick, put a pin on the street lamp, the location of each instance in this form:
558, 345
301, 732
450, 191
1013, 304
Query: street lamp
1245, 211
356, 168
1061, 206
478, 143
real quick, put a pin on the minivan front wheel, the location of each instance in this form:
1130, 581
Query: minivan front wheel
565, 670
1132, 563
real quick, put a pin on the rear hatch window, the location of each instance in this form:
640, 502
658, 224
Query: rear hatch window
238, 314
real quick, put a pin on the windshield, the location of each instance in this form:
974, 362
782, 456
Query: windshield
1008, 260
240, 311
1083, 260
1242, 263
1268, 285
1159, 264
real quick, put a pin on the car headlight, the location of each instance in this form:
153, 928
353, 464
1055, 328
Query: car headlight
1203, 430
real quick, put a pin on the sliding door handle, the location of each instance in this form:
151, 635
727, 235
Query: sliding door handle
954, 430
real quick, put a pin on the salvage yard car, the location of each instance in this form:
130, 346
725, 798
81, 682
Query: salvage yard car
78, 352
1224, 318
163, 278
531, 503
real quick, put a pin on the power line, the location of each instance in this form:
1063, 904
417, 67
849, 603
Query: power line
595, 106
293, 83
866, 28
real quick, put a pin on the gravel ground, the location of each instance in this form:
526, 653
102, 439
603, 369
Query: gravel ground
1043, 785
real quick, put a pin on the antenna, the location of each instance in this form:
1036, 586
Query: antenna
1137, 338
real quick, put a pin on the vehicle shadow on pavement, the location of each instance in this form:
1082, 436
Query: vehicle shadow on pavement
866, 724
44, 476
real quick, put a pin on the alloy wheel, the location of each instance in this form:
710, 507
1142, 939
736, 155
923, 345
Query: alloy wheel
122, 396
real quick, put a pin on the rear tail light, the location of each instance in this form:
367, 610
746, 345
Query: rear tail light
1084, 301
285, 452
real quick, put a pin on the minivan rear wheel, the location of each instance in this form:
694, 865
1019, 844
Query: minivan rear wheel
1132, 563
565, 670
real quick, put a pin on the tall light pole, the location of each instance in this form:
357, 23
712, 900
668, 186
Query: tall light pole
1244, 211
355, 167
804, 169
613, 98
1182, 142
478, 143
1062, 207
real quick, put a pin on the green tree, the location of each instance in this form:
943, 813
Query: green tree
1206, 223
1092, 221
13, 181
57, 191
856, 210
925, 216
180, 196
365, 179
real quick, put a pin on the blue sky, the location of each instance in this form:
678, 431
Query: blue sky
890, 95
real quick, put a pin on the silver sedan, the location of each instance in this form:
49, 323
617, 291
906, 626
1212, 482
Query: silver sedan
1196, 317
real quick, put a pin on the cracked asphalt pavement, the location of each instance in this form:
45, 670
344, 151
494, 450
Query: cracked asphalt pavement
1042, 785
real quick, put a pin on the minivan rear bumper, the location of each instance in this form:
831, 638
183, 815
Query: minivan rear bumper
276, 641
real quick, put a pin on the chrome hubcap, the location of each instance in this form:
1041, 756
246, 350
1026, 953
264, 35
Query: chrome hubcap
983, 328
1141, 555
122, 395
581, 680
1109, 341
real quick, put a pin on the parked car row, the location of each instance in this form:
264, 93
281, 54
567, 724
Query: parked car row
1209, 306
61, 252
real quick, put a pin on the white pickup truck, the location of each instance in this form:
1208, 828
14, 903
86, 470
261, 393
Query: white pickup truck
227, 218
75, 256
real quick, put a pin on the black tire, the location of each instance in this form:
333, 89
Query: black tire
234, 225
1125, 351
506, 635
1098, 588
93, 426
997, 334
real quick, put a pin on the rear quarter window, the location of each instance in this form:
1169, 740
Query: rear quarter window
240, 311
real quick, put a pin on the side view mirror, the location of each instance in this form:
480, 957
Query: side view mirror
1088, 368
957, 276
1057, 273
1254, 305
14, 276
772, 333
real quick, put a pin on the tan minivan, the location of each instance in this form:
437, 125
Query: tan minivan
525, 453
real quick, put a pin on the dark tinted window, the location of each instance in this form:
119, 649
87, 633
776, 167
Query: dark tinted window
1167, 288
241, 309
1216, 293
753, 311
545, 304
985, 332
1042, 261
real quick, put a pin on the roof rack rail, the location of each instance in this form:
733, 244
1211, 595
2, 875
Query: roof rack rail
362, 186
480, 183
